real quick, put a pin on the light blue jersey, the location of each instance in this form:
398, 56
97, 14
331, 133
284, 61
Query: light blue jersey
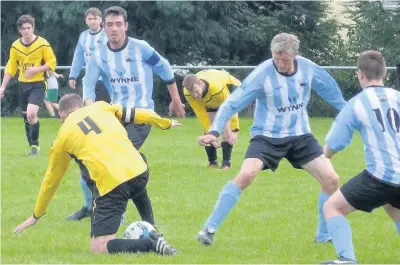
375, 113
88, 43
281, 100
127, 73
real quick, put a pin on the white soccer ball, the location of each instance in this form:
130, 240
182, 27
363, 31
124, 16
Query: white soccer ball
138, 230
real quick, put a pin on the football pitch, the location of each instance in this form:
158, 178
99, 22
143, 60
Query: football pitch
273, 222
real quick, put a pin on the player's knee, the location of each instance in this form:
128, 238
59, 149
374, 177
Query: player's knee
331, 182
32, 116
99, 245
246, 177
330, 209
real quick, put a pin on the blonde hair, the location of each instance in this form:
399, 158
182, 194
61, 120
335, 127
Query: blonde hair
285, 42
189, 81
69, 102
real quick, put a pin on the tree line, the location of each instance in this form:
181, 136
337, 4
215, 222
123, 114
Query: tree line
216, 33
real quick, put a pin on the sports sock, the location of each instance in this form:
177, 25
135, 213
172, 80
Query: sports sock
340, 231
227, 200
27, 129
226, 153
34, 133
211, 153
87, 194
322, 229
143, 205
129, 245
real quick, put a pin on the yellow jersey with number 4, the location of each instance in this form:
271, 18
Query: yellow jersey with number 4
95, 136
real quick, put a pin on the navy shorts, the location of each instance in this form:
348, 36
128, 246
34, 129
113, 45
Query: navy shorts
298, 150
366, 193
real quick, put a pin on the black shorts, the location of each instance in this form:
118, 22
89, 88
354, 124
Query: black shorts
102, 92
298, 150
31, 93
366, 193
137, 133
109, 208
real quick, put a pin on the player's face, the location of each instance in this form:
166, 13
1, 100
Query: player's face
197, 90
115, 29
26, 30
93, 22
284, 62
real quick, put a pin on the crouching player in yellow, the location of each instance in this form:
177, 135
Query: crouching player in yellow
205, 93
95, 137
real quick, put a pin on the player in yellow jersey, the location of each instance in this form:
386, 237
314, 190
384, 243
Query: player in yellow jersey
94, 136
205, 92
32, 56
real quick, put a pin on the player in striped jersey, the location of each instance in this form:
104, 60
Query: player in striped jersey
281, 87
126, 66
375, 114
89, 41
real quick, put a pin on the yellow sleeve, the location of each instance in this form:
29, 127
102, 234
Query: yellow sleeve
58, 164
234, 81
49, 57
235, 123
140, 116
12, 67
199, 109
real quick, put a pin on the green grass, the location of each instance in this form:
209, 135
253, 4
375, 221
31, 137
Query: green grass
274, 221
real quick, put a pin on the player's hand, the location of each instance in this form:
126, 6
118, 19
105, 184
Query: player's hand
207, 140
327, 152
178, 107
2, 89
175, 124
59, 76
232, 138
29, 222
72, 84
32, 71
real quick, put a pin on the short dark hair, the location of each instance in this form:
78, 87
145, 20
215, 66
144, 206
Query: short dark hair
372, 64
70, 102
93, 11
115, 11
25, 19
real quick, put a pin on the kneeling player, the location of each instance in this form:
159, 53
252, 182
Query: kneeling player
95, 136
205, 93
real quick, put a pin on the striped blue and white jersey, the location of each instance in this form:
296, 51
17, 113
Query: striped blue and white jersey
281, 100
375, 113
127, 73
88, 43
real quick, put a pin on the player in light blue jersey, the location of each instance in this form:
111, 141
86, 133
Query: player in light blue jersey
375, 113
281, 87
89, 41
126, 66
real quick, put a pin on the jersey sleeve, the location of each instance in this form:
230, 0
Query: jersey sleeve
140, 116
342, 129
58, 164
199, 110
78, 60
49, 57
12, 66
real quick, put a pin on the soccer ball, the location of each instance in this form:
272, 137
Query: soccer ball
138, 230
